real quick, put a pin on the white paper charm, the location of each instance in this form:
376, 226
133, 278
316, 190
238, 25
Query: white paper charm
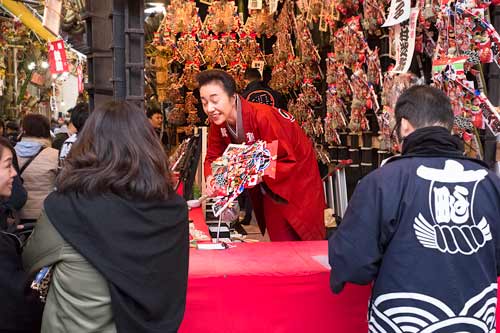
405, 34
398, 12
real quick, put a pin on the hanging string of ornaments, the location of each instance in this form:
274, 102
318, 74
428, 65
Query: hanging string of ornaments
455, 36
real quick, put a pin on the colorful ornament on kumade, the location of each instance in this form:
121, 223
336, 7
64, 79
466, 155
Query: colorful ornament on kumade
240, 167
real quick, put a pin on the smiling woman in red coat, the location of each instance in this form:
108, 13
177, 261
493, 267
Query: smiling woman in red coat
291, 205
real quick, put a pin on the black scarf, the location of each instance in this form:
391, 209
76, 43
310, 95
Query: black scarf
141, 249
434, 141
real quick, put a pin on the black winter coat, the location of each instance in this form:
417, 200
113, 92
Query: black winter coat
426, 232
20, 310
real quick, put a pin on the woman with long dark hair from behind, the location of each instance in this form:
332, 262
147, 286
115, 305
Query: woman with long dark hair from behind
118, 233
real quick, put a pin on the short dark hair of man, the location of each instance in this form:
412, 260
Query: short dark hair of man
151, 111
36, 125
12, 125
217, 75
79, 115
424, 106
117, 152
253, 74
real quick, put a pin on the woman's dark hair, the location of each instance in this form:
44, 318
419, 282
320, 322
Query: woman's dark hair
220, 76
36, 125
79, 115
117, 152
424, 106
4, 143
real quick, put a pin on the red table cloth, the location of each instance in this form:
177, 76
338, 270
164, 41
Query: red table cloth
196, 215
269, 287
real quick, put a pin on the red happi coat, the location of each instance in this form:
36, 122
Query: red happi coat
297, 175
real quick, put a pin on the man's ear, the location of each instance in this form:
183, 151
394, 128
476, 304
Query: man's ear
406, 128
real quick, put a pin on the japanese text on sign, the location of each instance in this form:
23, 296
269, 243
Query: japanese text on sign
405, 40
57, 57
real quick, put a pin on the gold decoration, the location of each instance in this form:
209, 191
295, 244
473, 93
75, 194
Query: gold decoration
222, 17
189, 77
212, 52
261, 22
191, 110
181, 17
189, 49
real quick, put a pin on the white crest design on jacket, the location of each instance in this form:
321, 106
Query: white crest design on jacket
453, 228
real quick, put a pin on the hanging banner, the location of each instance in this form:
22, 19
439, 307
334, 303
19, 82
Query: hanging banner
79, 73
52, 15
57, 57
398, 12
404, 35
454, 67
273, 6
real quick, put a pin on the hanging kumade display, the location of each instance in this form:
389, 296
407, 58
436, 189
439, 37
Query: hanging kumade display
188, 78
261, 22
181, 17
373, 16
231, 47
191, 110
250, 49
212, 51
350, 44
361, 101
336, 75
237, 71
222, 17
190, 50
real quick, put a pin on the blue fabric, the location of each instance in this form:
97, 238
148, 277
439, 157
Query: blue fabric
431, 248
27, 148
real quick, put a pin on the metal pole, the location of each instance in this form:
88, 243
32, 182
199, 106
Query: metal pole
497, 163
331, 195
119, 85
340, 193
218, 226
16, 78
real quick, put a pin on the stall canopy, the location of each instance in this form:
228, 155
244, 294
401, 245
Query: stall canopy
26, 16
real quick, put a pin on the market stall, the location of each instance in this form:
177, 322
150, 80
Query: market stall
39, 71
340, 64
